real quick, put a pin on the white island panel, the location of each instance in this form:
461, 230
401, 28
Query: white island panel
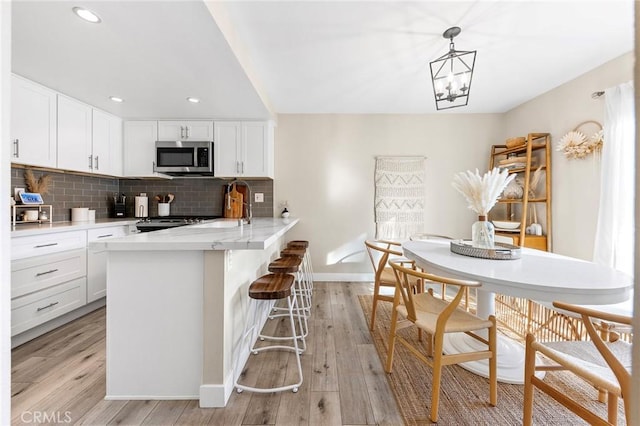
154, 325
177, 304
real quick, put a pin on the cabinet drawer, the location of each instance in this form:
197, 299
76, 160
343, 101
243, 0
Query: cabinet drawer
38, 308
108, 232
37, 273
36, 245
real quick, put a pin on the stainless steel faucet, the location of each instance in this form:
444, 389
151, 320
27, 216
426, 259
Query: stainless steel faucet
248, 204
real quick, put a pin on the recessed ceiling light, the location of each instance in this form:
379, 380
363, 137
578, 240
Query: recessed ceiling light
116, 99
193, 100
87, 15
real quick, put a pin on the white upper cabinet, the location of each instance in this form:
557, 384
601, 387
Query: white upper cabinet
185, 130
33, 123
243, 149
74, 135
140, 147
227, 144
107, 143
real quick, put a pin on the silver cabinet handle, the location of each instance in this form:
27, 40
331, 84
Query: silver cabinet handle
154, 167
97, 166
187, 131
39, 274
237, 167
181, 132
16, 148
48, 306
91, 162
46, 245
105, 236
242, 167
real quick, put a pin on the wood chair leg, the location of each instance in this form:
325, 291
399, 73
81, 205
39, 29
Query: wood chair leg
612, 408
437, 376
374, 307
392, 340
529, 371
493, 363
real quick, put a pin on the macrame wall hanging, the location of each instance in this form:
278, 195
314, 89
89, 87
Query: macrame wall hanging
575, 144
399, 197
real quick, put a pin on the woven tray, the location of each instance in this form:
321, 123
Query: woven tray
501, 252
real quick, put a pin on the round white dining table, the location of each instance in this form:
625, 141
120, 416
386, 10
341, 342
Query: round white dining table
537, 275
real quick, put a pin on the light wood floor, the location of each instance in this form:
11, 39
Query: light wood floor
61, 377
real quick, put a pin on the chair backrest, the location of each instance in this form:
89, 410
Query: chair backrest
622, 374
379, 252
406, 287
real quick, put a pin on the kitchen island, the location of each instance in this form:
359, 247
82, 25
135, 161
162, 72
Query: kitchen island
177, 305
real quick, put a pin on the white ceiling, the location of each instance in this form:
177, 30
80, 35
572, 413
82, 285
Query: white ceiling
253, 58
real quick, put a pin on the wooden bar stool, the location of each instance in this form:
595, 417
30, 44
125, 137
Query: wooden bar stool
274, 287
306, 275
291, 265
299, 244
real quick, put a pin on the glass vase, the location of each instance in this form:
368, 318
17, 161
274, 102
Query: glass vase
483, 233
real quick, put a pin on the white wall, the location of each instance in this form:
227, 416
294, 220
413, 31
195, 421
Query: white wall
325, 169
575, 183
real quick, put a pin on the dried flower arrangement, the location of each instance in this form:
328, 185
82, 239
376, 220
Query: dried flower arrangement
481, 192
576, 145
515, 188
40, 185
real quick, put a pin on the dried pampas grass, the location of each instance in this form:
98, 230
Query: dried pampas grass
481, 192
40, 185
535, 180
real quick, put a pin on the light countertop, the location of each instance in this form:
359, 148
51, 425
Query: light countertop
26, 229
219, 234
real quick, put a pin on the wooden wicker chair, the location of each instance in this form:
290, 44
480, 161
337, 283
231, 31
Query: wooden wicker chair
606, 365
379, 252
443, 287
437, 317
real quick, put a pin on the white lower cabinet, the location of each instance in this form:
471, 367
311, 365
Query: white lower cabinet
37, 245
37, 273
48, 277
39, 307
97, 261
55, 273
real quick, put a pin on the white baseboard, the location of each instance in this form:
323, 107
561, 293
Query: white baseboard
41, 329
213, 396
345, 277
149, 397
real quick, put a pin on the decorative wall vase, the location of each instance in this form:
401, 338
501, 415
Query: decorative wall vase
483, 233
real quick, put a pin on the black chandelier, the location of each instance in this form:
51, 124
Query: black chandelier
451, 74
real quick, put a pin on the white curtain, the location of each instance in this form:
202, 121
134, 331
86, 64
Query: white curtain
615, 231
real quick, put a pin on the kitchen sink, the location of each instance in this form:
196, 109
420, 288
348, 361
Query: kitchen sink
218, 223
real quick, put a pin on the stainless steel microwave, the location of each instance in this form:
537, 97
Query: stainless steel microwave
183, 158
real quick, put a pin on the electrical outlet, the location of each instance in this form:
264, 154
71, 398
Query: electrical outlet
258, 197
16, 193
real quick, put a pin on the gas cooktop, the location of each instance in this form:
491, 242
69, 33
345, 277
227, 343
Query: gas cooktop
156, 223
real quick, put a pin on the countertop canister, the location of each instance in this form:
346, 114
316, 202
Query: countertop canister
80, 214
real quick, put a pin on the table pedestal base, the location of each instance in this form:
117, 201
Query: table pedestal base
510, 357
